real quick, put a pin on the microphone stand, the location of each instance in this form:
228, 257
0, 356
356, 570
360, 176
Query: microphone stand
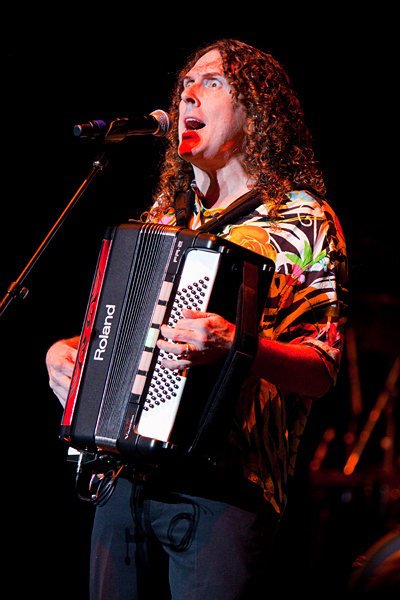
381, 404
16, 289
118, 130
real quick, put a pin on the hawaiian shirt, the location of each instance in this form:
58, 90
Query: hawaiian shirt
305, 305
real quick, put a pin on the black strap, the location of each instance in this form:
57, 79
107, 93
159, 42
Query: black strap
216, 417
243, 205
183, 203
240, 207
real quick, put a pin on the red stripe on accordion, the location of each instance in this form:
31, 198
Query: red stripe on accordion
86, 333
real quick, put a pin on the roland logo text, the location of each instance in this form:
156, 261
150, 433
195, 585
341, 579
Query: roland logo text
105, 333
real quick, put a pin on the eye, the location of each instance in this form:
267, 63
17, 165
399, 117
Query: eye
212, 83
187, 83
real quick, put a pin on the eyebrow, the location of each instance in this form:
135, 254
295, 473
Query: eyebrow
205, 75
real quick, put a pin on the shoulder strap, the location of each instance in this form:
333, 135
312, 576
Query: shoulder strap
240, 207
183, 203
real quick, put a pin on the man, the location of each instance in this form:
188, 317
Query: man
236, 126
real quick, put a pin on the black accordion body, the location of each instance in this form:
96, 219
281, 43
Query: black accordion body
122, 402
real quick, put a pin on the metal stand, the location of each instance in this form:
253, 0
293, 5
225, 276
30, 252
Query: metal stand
16, 289
382, 403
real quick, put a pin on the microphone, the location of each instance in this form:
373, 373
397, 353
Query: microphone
115, 130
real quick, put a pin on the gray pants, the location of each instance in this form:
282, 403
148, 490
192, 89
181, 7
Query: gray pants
149, 546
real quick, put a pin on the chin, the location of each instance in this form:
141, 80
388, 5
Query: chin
189, 155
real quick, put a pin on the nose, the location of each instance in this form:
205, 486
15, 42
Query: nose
190, 95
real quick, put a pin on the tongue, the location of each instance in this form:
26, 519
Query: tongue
194, 124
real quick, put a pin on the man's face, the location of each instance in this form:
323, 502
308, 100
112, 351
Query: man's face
211, 123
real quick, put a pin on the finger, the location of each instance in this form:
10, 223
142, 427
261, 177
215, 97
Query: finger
61, 396
181, 334
61, 363
72, 355
172, 348
60, 382
195, 314
60, 387
64, 367
180, 364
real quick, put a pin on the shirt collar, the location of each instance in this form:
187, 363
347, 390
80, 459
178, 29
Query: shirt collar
199, 204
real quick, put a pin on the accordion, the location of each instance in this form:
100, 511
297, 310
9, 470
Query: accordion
121, 401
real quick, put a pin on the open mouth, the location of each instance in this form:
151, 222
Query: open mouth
193, 124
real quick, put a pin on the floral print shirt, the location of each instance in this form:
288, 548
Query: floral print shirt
305, 305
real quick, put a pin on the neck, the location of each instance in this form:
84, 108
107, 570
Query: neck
222, 186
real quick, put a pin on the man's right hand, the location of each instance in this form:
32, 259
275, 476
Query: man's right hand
60, 360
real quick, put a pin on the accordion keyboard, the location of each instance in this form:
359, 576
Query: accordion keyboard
166, 385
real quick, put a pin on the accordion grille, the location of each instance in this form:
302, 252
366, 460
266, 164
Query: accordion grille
143, 286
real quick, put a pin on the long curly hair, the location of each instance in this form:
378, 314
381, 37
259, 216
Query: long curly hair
277, 154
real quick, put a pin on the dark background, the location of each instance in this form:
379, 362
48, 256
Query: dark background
343, 78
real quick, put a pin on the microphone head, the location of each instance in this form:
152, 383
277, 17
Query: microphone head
163, 122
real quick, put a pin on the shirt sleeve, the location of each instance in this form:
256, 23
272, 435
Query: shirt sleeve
309, 299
